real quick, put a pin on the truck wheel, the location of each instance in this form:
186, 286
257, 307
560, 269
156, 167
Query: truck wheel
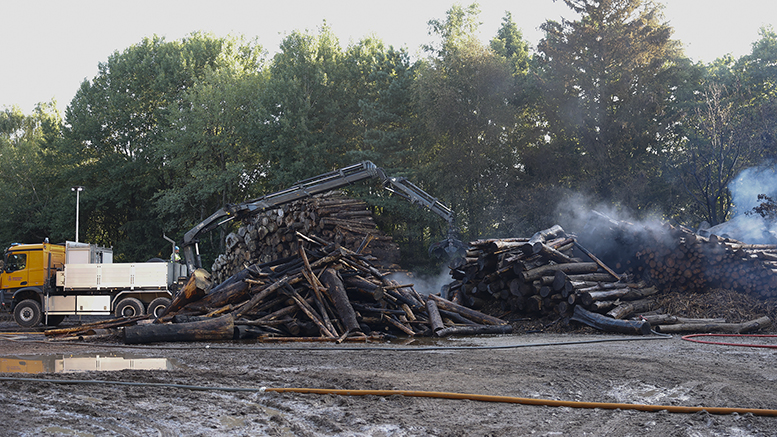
27, 313
129, 307
54, 320
158, 306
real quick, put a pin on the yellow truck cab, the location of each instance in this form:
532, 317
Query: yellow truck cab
47, 282
30, 266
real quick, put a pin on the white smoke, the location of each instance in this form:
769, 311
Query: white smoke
423, 284
749, 184
745, 225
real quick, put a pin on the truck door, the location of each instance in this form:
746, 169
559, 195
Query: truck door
15, 274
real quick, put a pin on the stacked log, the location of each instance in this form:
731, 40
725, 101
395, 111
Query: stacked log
676, 258
271, 235
697, 263
539, 275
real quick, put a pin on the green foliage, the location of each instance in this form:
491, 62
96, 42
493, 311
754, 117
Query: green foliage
469, 126
31, 192
728, 126
766, 209
510, 45
607, 82
306, 95
121, 124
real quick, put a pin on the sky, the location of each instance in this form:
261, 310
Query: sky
49, 47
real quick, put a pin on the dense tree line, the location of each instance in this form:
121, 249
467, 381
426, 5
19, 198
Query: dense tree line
606, 105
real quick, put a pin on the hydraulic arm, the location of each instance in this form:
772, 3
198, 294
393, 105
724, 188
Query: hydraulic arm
310, 187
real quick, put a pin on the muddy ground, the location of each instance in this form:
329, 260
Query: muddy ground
588, 367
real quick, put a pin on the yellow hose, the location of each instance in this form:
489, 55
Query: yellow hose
21, 333
418, 394
526, 401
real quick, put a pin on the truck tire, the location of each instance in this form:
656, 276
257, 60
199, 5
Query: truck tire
53, 320
27, 313
158, 306
129, 307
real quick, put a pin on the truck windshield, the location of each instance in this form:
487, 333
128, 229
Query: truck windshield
15, 261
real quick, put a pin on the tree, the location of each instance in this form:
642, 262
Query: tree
712, 153
306, 100
210, 158
36, 204
730, 126
510, 45
469, 124
118, 123
759, 77
607, 83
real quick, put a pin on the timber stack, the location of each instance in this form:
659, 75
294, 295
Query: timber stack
551, 274
270, 235
327, 292
696, 263
540, 275
676, 258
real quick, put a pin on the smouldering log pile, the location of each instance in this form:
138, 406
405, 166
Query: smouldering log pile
676, 258
552, 274
333, 293
697, 263
270, 235
540, 275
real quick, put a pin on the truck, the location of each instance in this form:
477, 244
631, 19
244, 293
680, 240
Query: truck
46, 282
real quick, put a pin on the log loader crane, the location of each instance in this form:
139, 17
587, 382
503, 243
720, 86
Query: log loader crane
321, 184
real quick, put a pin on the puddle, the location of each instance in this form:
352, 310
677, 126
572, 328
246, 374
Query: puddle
82, 363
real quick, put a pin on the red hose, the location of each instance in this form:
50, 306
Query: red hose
691, 337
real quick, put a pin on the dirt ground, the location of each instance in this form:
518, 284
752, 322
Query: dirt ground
588, 367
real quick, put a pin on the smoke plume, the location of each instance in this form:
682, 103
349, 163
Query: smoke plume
745, 225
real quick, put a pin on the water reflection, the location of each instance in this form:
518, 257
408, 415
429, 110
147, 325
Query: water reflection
81, 363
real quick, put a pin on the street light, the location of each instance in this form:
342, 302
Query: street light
78, 190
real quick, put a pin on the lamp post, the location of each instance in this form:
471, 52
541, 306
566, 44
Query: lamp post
78, 190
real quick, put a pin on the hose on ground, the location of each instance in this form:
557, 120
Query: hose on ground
693, 338
658, 336
423, 394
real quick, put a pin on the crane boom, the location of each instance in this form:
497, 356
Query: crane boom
307, 188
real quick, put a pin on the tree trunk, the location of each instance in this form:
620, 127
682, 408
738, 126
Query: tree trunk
608, 324
217, 328
732, 328
336, 290
471, 314
196, 287
474, 330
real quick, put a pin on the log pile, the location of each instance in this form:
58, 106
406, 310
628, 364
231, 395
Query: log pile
676, 258
547, 274
551, 274
270, 235
327, 293
697, 263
